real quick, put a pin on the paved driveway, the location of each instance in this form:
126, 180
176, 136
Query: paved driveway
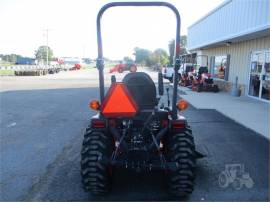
41, 135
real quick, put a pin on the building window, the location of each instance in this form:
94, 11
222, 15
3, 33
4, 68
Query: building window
259, 83
220, 67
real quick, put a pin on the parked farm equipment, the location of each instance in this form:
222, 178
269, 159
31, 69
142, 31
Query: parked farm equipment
197, 76
203, 81
124, 66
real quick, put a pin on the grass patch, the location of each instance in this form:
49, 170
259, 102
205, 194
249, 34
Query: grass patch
6, 64
6, 72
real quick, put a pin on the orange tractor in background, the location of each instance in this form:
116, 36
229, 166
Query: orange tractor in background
76, 67
195, 74
124, 66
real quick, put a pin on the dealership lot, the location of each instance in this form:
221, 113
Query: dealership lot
42, 122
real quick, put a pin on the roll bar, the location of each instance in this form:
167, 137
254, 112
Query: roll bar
100, 61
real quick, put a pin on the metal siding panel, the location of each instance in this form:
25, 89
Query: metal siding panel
235, 64
239, 63
244, 62
232, 59
239, 57
233, 18
227, 72
221, 18
250, 18
255, 17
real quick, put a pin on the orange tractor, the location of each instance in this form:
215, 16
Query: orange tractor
132, 130
124, 66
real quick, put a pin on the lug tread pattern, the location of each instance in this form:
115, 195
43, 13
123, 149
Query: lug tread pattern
182, 150
95, 173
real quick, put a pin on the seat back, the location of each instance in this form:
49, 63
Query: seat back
142, 89
203, 70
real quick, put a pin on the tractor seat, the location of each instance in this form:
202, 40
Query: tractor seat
142, 89
203, 70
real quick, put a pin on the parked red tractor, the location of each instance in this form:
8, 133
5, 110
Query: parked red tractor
124, 66
203, 81
76, 67
196, 75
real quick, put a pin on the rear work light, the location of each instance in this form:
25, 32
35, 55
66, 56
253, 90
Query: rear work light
119, 102
97, 123
182, 105
94, 104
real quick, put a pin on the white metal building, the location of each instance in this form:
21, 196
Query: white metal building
236, 38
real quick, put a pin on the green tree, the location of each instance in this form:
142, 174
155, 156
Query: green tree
183, 41
127, 59
141, 55
183, 50
11, 58
161, 57
41, 53
171, 51
146, 57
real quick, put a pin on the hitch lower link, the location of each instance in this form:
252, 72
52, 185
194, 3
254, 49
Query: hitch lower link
161, 165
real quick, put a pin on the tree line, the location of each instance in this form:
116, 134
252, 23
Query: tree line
159, 56
40, 55
10, 58
142, 56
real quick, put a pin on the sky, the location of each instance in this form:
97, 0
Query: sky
72, 26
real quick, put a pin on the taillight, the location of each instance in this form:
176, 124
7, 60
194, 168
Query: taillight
178, 124
97, 123
164, 123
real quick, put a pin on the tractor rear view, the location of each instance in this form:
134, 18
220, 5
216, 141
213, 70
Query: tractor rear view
132, 130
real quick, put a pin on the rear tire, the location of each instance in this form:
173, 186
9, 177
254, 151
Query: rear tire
200, 88
182, 150
223, 179
216, 89
95, 171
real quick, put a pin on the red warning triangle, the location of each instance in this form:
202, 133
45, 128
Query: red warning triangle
118, 102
